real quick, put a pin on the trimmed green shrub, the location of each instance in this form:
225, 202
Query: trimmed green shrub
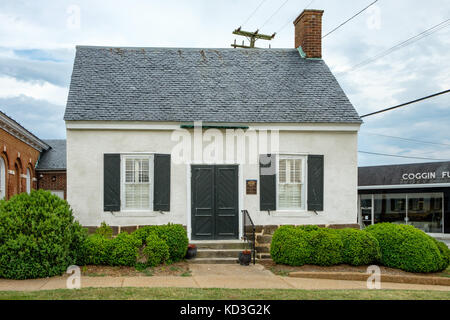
326, 247
104, 230
97, 250
301, 245
407, 248
156, 250
359, 247
38, 236
124, 250
173, 234
176, 238
290, 246
143, 232
445, 253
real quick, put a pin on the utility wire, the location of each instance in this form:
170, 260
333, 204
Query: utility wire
399, 156
400, 45
251, 15
270, 18
348, 20
407, 139
290, 21
407, 103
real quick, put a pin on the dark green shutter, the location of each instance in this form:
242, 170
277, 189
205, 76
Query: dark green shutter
161, 201
267, 183
111, 182
315, 183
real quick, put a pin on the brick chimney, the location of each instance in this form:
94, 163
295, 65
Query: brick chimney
308, 33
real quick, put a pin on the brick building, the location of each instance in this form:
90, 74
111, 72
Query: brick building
19, 154
51, 168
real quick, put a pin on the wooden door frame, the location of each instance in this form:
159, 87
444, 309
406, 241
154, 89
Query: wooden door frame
188, 195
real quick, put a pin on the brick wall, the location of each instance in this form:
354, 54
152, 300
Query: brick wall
18, 157
52, 181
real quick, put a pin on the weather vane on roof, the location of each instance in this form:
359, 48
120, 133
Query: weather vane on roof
252, 37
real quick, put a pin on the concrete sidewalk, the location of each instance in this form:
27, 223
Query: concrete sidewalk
209, 276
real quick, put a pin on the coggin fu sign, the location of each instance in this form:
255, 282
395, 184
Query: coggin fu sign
425, 175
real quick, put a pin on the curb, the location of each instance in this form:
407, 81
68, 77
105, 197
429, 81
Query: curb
438, 281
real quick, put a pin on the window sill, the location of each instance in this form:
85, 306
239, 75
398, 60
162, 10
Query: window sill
133, 214
292, 214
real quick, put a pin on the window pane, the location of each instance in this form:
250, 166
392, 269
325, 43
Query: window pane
137, 186
282, 171
137, 196
289, 196
390, 208
296, 171
425, 211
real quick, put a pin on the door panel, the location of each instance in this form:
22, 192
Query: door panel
226, 202
202, 202
215, 202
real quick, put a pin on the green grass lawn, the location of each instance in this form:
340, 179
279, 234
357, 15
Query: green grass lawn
223, 294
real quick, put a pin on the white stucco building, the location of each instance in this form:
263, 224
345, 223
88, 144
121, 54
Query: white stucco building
194, 136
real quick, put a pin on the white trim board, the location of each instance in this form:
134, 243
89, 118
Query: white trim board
147, 125
406, 186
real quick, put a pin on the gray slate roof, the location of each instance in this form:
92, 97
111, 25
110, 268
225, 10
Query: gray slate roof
55, 157
214, 85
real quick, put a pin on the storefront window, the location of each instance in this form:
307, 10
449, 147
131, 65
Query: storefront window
425, 211
421, 210
390, 208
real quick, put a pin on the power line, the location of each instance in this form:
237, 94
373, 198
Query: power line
407, 103
290, 21
270, 18
251, 15
407, 139
348, 20
400, 45
399, 156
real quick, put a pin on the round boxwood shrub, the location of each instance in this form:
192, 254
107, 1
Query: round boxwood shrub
124, 250
445, 253
290, 245
407, 248
97, 249
326, 247
359, 247
38, 236
143, 232
156, 250
176, 239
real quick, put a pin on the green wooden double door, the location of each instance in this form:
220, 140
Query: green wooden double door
214, 202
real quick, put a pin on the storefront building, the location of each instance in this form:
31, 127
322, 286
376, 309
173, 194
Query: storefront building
413, 194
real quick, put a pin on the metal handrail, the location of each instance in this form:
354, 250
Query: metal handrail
249, 232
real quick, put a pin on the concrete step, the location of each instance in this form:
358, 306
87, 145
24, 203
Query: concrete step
218, 253
214, 260
219, 245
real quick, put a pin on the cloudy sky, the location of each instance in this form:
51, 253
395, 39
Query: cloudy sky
38, 38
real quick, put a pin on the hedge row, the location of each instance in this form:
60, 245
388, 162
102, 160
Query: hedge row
40, 238
151, 246
392, 245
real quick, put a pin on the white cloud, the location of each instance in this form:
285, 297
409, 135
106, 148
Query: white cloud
11, 87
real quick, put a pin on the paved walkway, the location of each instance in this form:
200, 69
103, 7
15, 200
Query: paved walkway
209, 276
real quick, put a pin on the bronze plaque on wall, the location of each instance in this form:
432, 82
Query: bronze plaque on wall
251, 186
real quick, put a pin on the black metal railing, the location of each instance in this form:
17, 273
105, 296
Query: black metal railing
249, 232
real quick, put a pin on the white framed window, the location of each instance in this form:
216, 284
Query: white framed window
291, 186
137, 182
2, 178
28, 181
